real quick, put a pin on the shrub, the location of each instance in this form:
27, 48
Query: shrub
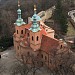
6, 42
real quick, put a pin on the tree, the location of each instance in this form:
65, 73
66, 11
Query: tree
5, 42
60, 17
27, 65
19, 68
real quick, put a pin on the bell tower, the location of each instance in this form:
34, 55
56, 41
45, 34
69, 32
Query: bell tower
19, 29
35, 37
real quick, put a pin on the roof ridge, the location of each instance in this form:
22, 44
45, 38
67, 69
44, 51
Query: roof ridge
51, 38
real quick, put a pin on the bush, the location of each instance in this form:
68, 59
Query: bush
6, 42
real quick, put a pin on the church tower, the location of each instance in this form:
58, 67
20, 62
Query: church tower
19, 30
35, 37
19, 25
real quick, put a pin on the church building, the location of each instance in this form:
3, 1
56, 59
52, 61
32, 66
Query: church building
35, 39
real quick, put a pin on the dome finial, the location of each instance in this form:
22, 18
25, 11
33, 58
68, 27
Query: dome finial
18, 3
35, 9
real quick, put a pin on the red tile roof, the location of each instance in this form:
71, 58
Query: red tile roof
28, 26
48, 43
43, 31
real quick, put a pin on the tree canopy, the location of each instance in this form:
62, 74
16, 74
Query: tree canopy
60, 17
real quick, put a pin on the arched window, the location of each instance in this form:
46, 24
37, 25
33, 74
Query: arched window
17, 31
21, 31
37, 38
28, 53
41, 63
42, 55
18, 47
45, 58
60, 46
32, 38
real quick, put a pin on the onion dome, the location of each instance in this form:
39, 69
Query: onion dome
35, 15
35, 26
19, 21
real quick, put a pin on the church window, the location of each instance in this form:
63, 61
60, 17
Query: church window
21, 31
41, 63
18, 47
17, 31
28, 34
60, 46
28, 53
37, 54
32, 38
45, 58
37, 38
42, 55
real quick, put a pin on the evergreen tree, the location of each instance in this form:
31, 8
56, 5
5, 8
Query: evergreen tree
60, 17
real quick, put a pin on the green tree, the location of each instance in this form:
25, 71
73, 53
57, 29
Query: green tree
5, 42
60, 17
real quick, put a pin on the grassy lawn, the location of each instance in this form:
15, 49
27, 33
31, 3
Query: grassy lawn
71, 30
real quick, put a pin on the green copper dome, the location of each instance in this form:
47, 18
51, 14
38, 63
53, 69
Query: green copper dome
19, 11
35, 26
37, 17
19, 21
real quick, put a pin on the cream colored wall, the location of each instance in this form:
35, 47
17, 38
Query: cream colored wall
50, 34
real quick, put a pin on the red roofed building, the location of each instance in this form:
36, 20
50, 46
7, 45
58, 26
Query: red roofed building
35, 39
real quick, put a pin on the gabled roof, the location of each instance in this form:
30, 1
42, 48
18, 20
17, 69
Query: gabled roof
48, 43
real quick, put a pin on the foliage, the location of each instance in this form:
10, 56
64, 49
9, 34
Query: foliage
5, 42
60, 17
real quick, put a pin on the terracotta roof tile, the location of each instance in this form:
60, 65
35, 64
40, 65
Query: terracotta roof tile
28, 26
48, 43
43, 31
